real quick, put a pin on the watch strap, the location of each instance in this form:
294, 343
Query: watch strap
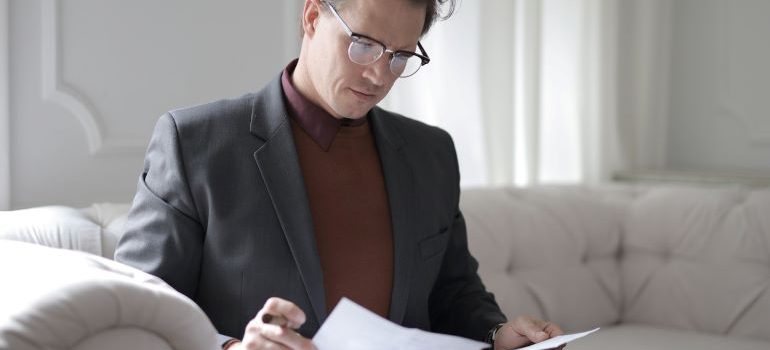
492, 334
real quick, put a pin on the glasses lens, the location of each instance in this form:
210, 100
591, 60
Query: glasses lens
364, 51
405, 65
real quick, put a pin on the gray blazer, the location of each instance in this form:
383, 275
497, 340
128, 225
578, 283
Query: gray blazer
221, 214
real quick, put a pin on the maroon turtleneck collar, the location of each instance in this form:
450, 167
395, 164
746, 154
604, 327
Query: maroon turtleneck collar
314, 120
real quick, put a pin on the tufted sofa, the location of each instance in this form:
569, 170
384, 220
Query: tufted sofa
656, 267
76, 298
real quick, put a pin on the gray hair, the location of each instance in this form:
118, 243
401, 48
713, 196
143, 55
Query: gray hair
434, 10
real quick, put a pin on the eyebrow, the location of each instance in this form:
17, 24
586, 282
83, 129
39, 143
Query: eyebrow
344, 23
395, 48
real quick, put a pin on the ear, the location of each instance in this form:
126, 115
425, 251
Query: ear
310, 14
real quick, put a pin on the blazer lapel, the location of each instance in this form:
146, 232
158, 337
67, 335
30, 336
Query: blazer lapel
280, 169
399, 184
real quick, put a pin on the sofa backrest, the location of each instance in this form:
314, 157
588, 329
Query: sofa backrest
699, 259
678, 257
681, 257
95, 229
549, 252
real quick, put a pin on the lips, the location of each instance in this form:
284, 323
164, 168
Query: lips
363, 95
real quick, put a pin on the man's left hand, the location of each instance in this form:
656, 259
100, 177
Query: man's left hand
523, 331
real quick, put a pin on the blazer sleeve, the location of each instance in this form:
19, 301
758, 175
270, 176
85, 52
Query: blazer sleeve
164, 236
459, 302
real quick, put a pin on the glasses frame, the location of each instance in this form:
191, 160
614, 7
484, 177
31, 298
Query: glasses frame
424, 58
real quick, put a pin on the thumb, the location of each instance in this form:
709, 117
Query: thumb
532, 329
518, 333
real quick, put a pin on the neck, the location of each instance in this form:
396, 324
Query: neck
304, 85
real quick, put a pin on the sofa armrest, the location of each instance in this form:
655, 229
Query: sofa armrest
55, 298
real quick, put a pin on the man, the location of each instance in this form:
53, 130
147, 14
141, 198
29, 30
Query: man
281, 202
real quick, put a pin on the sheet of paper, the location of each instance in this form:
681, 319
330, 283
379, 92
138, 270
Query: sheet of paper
557, 341
353, 327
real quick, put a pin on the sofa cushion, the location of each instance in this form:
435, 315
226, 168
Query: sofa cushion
699, 259
52, 226
112, 219
550, 252
643, 337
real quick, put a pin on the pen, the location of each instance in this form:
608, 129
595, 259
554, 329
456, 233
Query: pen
275, 320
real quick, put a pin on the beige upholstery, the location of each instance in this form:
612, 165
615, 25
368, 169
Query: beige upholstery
60, 299
52, 226
677, 259
706, 254
645, 337
94, 230
656, 268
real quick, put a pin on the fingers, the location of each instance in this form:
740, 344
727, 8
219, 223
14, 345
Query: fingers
259, 343
553, 330
286, 337
534, 329
273, 328
260, 336
283, 308
508, 338
254, 340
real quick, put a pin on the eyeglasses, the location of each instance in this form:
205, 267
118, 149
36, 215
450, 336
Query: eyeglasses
364, 50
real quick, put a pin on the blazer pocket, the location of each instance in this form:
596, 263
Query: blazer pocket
433, 245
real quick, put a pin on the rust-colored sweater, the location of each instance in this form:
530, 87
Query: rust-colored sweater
348, 202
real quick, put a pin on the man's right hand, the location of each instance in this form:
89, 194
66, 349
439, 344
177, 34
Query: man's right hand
260, 335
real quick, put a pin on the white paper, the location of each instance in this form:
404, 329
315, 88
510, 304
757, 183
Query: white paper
555, 342
352, 327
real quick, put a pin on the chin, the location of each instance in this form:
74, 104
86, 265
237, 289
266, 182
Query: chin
356, 108
356, 113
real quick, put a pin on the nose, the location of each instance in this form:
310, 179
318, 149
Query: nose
378, 72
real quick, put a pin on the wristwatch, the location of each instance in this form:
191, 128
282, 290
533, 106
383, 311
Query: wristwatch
492, 334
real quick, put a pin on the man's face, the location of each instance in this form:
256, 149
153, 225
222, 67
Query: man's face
347, 89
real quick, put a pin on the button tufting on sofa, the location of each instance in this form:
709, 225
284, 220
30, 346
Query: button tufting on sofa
72, 298
657, 267
686, 262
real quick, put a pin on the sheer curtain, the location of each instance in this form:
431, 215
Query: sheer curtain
526, 88
447, 92
577, 115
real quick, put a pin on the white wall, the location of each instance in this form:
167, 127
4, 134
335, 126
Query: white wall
695, 85
720, 86
5, 152
89, 78
642, 74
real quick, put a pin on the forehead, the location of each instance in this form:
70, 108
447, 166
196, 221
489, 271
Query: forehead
397, 23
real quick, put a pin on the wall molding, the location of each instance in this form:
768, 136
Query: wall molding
5, 118
726, 103
56, 91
